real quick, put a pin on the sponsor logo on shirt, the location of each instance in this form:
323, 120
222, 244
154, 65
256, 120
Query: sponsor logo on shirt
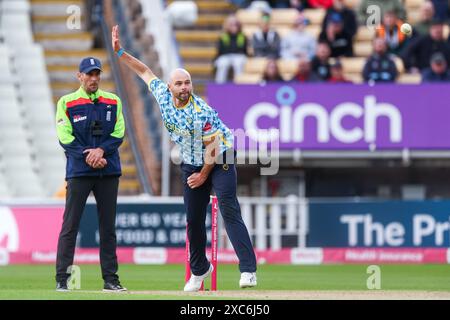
78, 118
207, 127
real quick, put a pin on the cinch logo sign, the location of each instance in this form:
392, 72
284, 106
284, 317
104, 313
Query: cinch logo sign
289, 121
9, 233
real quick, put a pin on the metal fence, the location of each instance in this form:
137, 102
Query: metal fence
273, 223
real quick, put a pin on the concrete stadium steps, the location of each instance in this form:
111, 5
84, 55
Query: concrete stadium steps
202, 53
58, 57
199, 68
211, 21
52, 16
215, 6
67, 73
212, 6
129, 187
61, 88
46, 24
54, 7
68, 42
205, 37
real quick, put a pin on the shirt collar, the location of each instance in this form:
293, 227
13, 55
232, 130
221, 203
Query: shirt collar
91, 96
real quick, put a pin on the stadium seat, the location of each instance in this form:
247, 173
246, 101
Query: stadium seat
399, 64
287, 68
26, 184
409, 4
409, 78
354, 77
17, 148
15, 6
283, 30
4, 190
315, 16
283, 16
7, 91
352, 4
363, 48
11, 113
5, 64
365, 34
353, 65
248, 17
249, 30
16, 28
19, 163
13, 133
248, 78
255, 65
314, 30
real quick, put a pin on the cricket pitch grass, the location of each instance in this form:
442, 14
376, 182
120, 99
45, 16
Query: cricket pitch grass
275, 282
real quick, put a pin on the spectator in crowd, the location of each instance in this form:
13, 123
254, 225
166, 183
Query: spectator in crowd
384, 5
298, 43
418, 53
380, 67
299, 4
266, 42
337, 72
271, 72
326, 4
262, 6
304, 72
426, 16
231, 50
240, 3
348, 15
338, 39
390, 31
438, 71
285, 4
442, 9
319, 63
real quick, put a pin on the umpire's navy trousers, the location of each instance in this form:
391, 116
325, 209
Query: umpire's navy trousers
223, 180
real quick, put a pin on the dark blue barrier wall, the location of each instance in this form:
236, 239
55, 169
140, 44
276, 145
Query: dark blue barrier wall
379, 224
140, 225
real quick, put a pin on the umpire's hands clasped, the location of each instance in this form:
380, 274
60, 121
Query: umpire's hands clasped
95, 158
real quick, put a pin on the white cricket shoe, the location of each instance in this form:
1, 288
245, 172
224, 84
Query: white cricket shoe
195, 282
248, 280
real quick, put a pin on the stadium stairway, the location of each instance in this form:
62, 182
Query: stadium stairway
197, 44
65, 44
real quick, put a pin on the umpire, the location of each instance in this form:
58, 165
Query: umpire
90, 128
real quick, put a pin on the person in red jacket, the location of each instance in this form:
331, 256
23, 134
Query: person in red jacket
320, 3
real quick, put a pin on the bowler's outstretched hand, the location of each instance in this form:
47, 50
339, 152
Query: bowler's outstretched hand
115, 38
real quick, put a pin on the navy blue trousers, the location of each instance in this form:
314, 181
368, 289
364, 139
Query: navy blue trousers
223, 180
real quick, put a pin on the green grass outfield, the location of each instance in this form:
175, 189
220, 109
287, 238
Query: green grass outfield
148, 281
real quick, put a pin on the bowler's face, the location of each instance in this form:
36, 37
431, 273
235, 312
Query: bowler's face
181, 86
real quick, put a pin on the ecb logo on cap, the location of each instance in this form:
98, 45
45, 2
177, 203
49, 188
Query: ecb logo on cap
92, 62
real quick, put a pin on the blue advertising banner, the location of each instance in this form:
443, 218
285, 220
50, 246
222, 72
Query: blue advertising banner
140, 225
379, 224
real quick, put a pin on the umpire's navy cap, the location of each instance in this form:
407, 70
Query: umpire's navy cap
89, 64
